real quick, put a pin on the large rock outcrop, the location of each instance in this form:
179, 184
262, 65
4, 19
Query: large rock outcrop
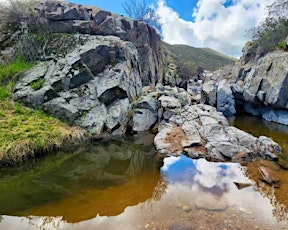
259, 85
64, 17
262, 87
199, 131
91, 86
94, 83
158, 104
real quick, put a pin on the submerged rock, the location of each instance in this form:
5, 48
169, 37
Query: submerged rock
211, 203
269, 176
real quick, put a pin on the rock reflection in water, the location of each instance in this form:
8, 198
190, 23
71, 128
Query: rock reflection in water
101, 179
188, 194
279, 133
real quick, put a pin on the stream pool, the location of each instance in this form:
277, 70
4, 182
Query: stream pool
122, 184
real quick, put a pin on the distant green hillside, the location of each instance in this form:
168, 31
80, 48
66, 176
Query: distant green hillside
191, 58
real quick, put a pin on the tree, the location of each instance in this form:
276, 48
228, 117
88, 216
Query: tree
273, 31
140, 10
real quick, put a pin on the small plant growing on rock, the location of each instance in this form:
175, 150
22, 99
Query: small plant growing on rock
36, 85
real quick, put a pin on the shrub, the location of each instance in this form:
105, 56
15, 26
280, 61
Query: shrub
274, 29
17, 14
23, 28
282, 45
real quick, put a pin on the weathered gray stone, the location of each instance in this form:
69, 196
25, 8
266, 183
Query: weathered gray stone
64, 17
116, 113
143, 119
249, 52
77, 90
183, 97
147, 102
59, 108
193, 137
278, 116
208, 94
245, 139
194, 89
93, 121
201, 131
169, 102
227, 149
225, 99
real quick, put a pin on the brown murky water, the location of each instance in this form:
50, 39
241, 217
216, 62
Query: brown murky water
123, 185
278, 133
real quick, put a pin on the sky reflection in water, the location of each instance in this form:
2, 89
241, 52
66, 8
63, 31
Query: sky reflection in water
186, 188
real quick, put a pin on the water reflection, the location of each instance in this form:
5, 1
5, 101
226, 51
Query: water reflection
259, 127
102, 179
279, 133
183, 194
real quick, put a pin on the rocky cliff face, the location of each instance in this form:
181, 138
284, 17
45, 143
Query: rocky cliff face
262, 85
259, 85
94, 84
64, 17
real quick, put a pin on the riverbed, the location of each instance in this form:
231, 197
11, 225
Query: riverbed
123, 184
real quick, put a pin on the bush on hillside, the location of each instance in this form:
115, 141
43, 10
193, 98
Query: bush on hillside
18, 16
274, 29
23, 28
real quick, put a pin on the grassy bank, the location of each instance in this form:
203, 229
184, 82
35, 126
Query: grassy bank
25, 132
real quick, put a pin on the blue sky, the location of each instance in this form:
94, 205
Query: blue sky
185, 9
217, 24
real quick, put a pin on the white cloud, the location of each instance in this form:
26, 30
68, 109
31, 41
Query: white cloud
215, 26
168, 161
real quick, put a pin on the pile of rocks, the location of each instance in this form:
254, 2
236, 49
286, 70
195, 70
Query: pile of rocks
199, 131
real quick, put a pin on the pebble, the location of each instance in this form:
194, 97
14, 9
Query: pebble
186, 208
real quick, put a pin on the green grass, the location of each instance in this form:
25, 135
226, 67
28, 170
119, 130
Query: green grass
192, 58
25, 132
17, 66
37, 84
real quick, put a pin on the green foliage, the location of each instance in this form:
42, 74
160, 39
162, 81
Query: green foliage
273, 30
16, 66
35, 85
24, 132
4, 93
282, 45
